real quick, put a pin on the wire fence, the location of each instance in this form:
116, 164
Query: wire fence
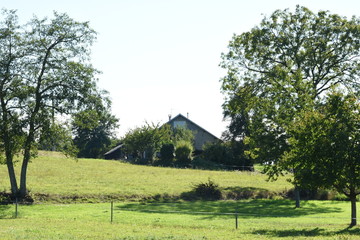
236, 215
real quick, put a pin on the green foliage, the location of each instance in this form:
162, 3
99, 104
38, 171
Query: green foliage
182, 134
94, 130
45, 71
325, 145
281, 67
167, 155
208, 190
230, 154
57, 137
143, 142
183, 153
324, 151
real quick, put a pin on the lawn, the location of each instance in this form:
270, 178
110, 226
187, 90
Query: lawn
257, 219
53, 174
142, 210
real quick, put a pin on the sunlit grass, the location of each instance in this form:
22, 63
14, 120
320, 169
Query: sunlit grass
257, 219
52, 173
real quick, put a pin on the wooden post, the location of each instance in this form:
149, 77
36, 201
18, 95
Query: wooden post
112, 212
16, 207
236, 220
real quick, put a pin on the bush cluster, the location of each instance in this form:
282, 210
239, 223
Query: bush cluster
208, 190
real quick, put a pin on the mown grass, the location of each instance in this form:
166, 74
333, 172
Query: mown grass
65, 180
52, 174
257, 219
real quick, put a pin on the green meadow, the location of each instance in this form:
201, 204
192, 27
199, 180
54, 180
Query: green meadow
72, 201
257, 219
54, 176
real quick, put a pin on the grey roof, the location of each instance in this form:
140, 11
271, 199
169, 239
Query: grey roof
114, 149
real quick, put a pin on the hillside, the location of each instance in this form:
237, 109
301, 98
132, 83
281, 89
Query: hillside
52, 176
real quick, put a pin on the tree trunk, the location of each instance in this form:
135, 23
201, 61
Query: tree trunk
23, 175
12, 176
353, 209
23, 189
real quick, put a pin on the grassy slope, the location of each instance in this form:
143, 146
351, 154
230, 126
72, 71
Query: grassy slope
52, 173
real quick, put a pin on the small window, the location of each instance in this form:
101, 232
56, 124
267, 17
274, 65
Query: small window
179, 124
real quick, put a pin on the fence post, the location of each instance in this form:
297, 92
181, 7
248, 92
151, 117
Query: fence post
112, 212
16, 207
236, 219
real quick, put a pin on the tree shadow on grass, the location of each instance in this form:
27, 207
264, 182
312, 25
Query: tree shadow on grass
293, 232
259, 208
238, 193
307, 232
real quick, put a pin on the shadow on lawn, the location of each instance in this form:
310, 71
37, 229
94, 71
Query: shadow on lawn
259, 208
307, 232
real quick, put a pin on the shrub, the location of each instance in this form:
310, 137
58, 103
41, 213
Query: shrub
167, 154
208, 190
229, 154
183, 153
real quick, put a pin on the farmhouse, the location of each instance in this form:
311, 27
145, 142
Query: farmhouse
201, 136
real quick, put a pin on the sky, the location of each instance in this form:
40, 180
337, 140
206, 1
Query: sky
161, 57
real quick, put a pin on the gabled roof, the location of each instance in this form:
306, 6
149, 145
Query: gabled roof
114, 149
187, 119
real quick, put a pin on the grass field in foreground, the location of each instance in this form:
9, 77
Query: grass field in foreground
52, 173
258, 219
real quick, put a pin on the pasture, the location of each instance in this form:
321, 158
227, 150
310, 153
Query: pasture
51, 176
257, 219
72, 201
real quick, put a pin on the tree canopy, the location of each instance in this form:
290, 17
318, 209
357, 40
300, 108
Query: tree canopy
286, 64
325, 148
45, 70
94, 129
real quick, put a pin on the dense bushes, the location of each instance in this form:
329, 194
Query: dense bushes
208, 190
167, 155
229, 154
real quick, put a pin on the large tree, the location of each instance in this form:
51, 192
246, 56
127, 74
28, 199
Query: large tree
44, 70
324, 148
282, 66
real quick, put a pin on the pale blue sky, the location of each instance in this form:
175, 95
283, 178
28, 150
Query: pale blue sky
161, 57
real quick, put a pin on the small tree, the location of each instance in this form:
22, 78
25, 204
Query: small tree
143, 142
94, 129
183, 153
325, 148
167, 154
56, 136
182, 134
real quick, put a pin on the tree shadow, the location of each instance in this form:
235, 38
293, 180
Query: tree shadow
293, 232
307, 232
258, 208
238, 193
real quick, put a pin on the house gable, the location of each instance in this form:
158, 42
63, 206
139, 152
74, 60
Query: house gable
201, 136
